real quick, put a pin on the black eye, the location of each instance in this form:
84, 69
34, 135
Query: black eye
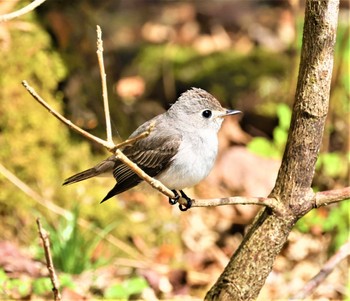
207, 114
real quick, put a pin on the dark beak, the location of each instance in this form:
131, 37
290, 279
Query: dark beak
230, 112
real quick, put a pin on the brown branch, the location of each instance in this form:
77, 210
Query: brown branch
328, 267
237, 200
49, 263
131, 141
151, 181
246, 273
22, 11
328, 197
322, 198
110, 146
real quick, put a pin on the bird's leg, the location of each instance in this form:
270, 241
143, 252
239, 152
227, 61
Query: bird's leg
174, 200
188, 200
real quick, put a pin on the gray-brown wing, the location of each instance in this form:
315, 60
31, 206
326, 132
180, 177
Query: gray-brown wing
152, 155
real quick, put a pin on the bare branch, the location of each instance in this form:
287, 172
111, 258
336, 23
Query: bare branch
49, 263
67, 122
329, 266
108, 145
131, 141
321, 198
237, 200
104, 84
153, 182
328, 197
22, 11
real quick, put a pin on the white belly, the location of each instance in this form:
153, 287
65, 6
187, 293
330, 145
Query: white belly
193, 162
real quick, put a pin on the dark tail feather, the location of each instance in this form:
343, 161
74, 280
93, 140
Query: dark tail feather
122, 186
86, 174
110, 194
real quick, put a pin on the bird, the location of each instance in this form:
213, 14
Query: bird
180, 150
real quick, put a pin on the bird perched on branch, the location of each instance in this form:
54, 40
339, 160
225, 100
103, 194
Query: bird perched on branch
180, 151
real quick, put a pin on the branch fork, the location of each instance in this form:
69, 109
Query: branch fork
274, 204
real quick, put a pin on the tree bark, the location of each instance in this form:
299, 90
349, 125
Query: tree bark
252, 262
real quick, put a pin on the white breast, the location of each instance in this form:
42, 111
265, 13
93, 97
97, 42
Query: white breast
193, 162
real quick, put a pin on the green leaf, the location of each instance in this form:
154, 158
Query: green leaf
127, 288
332, 164
284, 114
280, 137
135, 285
42, 286
262, 147
116, 291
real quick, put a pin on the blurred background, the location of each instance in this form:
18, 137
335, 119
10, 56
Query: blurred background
136, 245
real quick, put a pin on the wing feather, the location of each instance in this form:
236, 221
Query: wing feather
151, 154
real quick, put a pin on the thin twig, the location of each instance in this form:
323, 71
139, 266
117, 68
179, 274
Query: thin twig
328, 267
236, 200
131, 141
104, 84
22, 11
328, 197
66, 121
110, 146
49, 263
152, 181
65, 213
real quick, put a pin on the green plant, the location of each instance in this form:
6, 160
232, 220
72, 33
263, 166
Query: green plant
274, 149
332, 165
14, 287
335, 221
125, 289
42, 286
72, 249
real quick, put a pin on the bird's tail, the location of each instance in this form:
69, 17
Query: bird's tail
86, 174
103, 168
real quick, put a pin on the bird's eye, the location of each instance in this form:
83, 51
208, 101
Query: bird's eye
207, 114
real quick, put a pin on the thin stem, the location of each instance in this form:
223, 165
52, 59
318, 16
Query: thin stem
49, 262
131, 141
104, 84
236, 200
22, 11
153, 182
106, 144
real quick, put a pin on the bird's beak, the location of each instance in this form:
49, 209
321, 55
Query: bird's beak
229, 112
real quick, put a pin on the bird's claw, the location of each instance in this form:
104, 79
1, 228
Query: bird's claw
175, 199
185, 207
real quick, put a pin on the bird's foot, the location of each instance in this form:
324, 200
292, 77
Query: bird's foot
185, 207
174, 200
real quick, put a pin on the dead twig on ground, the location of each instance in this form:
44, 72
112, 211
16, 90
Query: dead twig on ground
328, 268
49, 263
